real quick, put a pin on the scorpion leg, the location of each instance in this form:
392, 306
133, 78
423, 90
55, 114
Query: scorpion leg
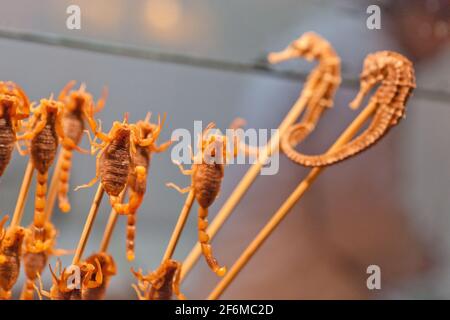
65, 90
97, 174
174, 186
186, 172
38, 128
161, 148
98, 277
21, 151
101, 102
176, 284
138, 292
40, 291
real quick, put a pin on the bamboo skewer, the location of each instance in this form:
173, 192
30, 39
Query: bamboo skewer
179, 226
247, 180
110, 225
89, 223
285, 208
23, 194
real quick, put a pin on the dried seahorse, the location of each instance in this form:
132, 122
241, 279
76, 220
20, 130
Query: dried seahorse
108, 269
320, 86
161, 284
137, 179
397, 81
10, 253
78, 107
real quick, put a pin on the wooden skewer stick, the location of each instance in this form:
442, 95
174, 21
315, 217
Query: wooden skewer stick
285, 208
53, 190
110, 225
179, 226
23, 194
89, 223
245, 183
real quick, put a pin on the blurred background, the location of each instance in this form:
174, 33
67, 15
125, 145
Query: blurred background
204, 60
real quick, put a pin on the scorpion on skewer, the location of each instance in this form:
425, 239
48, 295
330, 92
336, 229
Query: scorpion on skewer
160, 284
10, 252
320, 86
137, 180
45, 129
206, 174
396, 75
108, 269
115, 161
14, 107
65, 286
78, 109
36, 256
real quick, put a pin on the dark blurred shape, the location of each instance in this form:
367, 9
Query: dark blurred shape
422, 27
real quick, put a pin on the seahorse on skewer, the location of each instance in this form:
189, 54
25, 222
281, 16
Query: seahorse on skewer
320, 86
395, 73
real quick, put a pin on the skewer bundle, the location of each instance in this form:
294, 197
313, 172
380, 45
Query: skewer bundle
123, 163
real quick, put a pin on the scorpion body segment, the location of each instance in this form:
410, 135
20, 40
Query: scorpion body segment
7, 140
10, 253
395, 73
161, 284
115, 163
14, 106
34, 264
206, 181
44, 144
108, 269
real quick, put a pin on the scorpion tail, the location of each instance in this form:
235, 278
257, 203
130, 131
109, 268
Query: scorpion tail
39, 206
64, 176
131, 233
370, 136
203, 238
136, 199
